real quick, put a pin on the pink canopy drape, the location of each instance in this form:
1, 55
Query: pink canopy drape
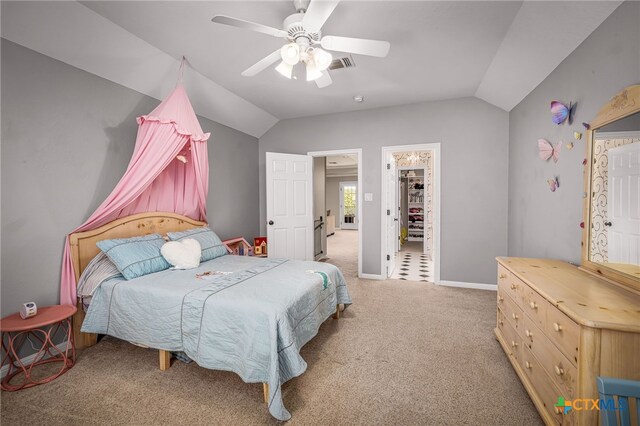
155, 180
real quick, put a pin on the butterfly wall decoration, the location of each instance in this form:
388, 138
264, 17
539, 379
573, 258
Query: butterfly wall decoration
553, 184
546, 150
560, 112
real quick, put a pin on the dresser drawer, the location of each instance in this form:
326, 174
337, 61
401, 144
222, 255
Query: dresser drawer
545, 390
563, 332
560, 370
501, 321
503, 275
511, 285
512, 312
535, 306
513, 341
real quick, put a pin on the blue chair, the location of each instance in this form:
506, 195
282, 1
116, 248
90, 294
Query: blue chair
609, 387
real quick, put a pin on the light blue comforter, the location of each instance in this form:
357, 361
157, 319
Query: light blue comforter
252, 320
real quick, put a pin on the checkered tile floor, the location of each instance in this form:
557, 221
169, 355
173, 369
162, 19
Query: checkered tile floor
412, 266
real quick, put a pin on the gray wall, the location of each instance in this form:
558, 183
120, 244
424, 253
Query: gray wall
67, 137
474, 138
542, 223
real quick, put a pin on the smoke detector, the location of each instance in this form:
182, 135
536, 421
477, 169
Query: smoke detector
358, 99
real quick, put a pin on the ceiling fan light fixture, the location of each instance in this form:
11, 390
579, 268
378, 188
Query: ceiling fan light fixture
285, 69
290, 53
322, 59
312, 71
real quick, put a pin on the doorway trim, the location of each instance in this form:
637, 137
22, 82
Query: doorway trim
358, 152
435, 149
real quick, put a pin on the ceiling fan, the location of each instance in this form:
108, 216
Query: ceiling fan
302, 54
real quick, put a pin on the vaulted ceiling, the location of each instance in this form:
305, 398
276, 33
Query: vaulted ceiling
497, 51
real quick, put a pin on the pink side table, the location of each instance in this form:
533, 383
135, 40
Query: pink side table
39, 329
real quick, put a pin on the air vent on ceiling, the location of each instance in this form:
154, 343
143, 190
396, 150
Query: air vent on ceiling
345, 62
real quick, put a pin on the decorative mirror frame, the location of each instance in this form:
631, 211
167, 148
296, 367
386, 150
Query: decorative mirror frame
622, 105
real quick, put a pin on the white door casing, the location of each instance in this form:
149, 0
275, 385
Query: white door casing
623, 221
399, 206
435, 203
289, 180
390, 183
361, 219
347, 186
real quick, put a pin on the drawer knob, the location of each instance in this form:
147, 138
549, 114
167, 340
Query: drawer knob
515, 316
528, 333
533, 305
514, 344
500, 298
559, 370
501, 322
557, 327
513, 286
528, 365
502, 276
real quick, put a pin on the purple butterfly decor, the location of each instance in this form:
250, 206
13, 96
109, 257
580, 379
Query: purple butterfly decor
560, 112
553, 184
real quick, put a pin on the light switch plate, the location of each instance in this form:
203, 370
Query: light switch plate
368, 196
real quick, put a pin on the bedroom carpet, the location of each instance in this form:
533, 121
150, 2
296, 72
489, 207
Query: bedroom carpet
403, 355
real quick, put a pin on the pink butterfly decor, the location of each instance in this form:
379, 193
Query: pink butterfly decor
547, 150
553, 184
560, 112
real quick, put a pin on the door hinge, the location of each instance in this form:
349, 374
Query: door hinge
388, 166
388, 257
388, 212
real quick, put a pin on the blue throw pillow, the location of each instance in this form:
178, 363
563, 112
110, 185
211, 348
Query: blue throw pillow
137, 256
211, 244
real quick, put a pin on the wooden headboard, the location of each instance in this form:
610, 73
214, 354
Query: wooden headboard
83, 244
83, 248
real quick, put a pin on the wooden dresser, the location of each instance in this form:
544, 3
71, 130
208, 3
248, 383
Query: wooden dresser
562, 327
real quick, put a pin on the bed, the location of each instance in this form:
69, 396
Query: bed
242, 314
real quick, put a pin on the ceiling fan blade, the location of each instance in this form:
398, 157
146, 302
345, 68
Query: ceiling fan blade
324, 80
318, 13
356, 45
247, 25
262, 64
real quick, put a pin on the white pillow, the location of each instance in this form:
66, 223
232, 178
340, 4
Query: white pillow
183, 254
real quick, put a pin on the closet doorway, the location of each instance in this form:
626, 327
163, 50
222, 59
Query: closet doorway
411, 249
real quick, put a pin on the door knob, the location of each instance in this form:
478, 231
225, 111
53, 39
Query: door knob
607, 224
270, 222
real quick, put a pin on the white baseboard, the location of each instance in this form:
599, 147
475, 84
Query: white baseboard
462, 284
30, 358
371, 277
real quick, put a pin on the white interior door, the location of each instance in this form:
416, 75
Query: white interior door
624, 204
289, 206
348, 205
390, 185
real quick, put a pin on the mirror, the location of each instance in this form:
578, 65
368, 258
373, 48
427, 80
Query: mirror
612, 180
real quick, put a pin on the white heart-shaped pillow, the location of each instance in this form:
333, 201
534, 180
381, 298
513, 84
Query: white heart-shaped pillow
184, 254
